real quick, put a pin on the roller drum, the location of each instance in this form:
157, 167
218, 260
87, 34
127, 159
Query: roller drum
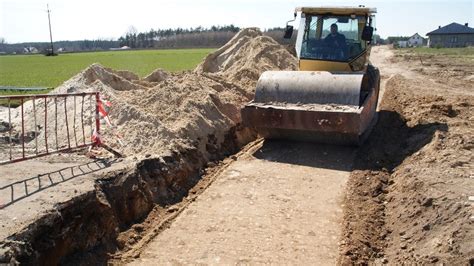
312, 106
308, 87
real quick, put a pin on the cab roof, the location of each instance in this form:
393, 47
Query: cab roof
337, 10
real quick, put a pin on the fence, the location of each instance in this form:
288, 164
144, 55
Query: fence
48, 114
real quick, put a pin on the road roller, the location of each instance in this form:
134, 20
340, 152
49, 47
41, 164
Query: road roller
332, 97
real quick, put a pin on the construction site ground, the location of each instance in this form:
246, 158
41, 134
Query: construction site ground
278, 202
403, 197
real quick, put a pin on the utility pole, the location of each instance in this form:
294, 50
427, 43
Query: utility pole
50, 34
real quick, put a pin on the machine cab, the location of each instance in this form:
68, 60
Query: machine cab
339, 38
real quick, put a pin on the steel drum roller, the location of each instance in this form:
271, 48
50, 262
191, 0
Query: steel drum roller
308, 87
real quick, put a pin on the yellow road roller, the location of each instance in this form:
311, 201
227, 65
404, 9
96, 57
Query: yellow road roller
333, 96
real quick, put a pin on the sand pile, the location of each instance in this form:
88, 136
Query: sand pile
246, 56
95, 78
168, 111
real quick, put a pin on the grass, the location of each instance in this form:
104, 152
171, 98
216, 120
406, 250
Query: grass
51, 71
466, 52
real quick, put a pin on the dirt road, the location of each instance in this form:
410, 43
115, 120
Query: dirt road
281, 203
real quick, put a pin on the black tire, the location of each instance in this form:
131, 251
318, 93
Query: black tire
373, 85
373, 75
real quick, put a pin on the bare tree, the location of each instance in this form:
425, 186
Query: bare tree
132, 30
131, 37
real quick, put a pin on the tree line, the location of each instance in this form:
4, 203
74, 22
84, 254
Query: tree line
198, 37
64, 46
163, 38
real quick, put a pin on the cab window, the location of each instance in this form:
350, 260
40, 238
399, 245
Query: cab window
335, 38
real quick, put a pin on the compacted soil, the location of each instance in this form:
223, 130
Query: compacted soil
279, 202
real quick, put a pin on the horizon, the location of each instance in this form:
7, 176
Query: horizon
401, 18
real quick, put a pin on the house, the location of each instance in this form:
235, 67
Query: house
402, 44
452, 35
120, 49
30, 50
416, 40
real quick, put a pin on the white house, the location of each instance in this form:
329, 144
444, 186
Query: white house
30, 50
119, 49
415, 41
402, 44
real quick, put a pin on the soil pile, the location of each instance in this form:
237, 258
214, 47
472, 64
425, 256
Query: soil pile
408, 197
165, 111
246, 56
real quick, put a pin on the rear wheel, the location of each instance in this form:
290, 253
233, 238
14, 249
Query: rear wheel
371, 85
371, 82
373, 75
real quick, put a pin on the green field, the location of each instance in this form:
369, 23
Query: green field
47, 71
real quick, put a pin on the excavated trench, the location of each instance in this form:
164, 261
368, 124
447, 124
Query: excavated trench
107, 220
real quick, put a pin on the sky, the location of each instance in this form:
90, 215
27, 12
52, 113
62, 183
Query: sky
27, 20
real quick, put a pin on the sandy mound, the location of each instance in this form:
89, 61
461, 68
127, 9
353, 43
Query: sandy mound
128, 75
117, 80
246, 56
156, 76
166, 111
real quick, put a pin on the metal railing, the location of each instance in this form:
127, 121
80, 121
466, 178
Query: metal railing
76, 135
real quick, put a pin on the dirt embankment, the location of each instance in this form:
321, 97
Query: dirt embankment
171, 126
407, 198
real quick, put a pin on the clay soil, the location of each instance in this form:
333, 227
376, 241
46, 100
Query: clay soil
407, 200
